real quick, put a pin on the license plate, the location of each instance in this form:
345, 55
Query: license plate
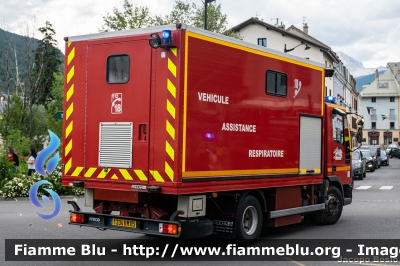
123, 223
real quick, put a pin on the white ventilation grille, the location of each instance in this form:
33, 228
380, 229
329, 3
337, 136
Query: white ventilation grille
115, 147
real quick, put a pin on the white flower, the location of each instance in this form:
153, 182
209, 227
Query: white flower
20, 184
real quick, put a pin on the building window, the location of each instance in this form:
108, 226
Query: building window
373, 99
373, 125
118, 69
383, 85
276, 83
262, 42
391, 125
373, 114
392, 99
392, 114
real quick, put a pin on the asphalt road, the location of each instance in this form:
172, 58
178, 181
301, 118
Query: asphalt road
374, 214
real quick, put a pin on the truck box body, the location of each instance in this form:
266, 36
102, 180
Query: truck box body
204, 108
207, 114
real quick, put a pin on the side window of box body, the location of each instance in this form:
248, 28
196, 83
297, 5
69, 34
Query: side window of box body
118, 67
276, 83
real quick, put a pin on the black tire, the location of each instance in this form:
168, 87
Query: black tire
334, 207
373, 170
365, 173
361, 177
249, 219
195, 229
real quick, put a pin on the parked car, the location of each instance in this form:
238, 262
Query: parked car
395, 152
359, 165
391, 146
376, 154
384, 158
370, 162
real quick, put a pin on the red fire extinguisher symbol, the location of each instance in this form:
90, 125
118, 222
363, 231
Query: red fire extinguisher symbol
116, 103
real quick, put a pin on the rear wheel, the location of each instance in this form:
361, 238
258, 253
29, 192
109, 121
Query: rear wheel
333, 206
249, 219
196, 228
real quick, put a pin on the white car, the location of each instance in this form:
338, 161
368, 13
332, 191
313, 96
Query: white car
391, 146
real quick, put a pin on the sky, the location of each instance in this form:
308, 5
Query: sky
366, 30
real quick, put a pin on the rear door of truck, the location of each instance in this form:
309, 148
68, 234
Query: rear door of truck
117, 112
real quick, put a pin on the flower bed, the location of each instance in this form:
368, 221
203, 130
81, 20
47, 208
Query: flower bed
18, 185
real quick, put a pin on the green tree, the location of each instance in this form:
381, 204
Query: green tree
14, 117
56, 105
182, 11
130, 18
38, 88
19, 143
46, 63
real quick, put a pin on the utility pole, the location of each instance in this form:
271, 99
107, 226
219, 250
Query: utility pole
205, 12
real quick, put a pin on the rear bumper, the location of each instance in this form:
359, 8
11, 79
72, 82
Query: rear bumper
144, 226
124, 223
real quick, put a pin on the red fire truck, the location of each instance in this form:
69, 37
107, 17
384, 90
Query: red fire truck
182, 132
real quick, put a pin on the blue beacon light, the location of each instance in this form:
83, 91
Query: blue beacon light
330, 99
166, 37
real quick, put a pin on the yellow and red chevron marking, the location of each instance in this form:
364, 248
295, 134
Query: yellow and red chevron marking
170, 121
68, 113
115, 174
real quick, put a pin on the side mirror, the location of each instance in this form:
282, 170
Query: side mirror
359, 134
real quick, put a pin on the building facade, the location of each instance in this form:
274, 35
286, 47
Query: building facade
380, 107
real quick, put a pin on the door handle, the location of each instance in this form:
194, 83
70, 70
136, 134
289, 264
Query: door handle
142, 132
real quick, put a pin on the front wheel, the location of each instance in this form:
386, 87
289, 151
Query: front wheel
333, 206
249, 219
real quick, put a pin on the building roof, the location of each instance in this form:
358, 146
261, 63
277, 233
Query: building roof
293, 32
395, 68
373, 90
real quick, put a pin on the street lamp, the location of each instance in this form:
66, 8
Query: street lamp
205, 12
289, 50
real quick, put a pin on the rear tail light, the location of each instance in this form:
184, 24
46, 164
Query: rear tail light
169, 229
77, 218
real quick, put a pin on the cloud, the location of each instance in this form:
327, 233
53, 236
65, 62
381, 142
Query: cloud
366, 30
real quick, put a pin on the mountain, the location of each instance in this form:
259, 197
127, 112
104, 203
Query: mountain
12, 44
355, 67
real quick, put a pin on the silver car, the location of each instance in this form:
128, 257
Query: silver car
358, 165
